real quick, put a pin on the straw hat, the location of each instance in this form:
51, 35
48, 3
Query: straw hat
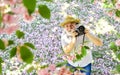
69, 19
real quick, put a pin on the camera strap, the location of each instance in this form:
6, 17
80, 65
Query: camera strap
83, 39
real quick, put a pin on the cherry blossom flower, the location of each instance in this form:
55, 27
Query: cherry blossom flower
117, 5
19, 10
27, 17
43, 72
1, 30
117, 42
110, 13
9, 19
10, 2
52, 67
11, 29
19, 1
64, 71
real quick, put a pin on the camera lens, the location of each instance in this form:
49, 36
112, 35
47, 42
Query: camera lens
80, 30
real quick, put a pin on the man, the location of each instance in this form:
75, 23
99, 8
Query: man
72, 44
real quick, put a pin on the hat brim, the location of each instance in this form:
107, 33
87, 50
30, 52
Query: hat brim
77, 21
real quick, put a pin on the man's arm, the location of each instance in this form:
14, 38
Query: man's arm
94, 39
67, 49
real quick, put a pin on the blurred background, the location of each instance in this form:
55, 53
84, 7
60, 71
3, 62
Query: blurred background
39, 27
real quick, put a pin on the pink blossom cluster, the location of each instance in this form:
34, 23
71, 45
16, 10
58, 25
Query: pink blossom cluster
117, 42
52, 69
117, 5
12, 11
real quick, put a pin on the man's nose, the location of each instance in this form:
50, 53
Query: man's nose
70, 26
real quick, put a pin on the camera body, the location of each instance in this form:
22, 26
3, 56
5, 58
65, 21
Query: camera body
80, 30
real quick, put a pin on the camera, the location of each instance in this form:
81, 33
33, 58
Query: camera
80, 30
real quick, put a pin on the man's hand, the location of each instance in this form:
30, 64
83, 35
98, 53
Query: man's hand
86, 31
73, 33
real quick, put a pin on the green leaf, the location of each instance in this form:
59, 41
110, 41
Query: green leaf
30, 69
2, 45
78, 56
96, 54
118, 56
83, 50
107, 5
10, 42
86, 47
113, 46
44, 66
48, 0
81, 1
72, 69
83, 53
118, 48
0, 18
118, 35
114, 2
1, 61
44, 11
11, 13
26, 54
29, 45
23, 66
13, 52
118, 68
30, 5
61, 64
80, 68
19, 34
92, 1
117, 13
0, 68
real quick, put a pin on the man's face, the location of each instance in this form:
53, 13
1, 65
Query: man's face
70, 26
